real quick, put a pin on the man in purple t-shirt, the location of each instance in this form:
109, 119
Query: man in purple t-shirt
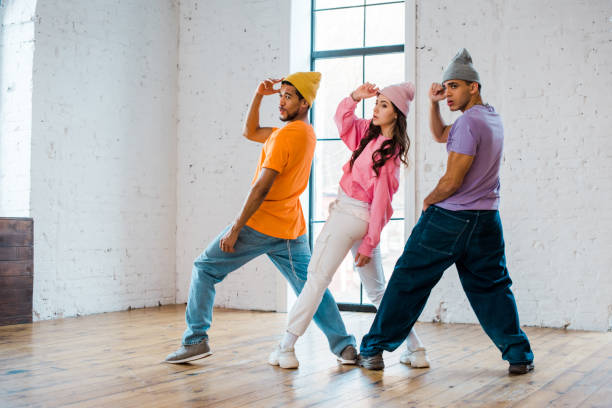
459, 225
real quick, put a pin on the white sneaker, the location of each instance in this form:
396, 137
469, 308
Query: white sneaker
284, 358
415, 358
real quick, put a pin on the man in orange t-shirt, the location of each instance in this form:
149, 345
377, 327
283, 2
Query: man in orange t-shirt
271, 221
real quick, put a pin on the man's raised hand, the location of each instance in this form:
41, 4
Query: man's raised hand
266, 87
437, 92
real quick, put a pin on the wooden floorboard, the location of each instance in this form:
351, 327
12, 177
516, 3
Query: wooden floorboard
114, 360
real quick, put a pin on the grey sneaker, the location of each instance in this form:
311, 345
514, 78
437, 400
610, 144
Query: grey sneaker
520, 368
374, 362
189, 352
348, 355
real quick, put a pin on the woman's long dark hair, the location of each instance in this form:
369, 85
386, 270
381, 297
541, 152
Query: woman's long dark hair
397, 146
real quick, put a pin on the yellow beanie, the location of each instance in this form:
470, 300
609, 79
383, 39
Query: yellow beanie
306, 83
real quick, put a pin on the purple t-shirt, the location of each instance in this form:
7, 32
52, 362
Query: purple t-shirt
478, 132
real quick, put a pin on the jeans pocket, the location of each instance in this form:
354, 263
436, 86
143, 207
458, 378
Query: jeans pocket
442, 232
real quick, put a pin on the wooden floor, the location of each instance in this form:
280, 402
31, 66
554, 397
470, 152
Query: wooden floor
114, 360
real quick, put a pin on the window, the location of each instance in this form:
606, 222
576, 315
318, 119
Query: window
353, 41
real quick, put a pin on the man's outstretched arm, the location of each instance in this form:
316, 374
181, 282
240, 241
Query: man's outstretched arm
256, 196
456, 169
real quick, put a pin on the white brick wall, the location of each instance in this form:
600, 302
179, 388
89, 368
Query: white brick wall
104, 155
17, 45
226, 47
546, 67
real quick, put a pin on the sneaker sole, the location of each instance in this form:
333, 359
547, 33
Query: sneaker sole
521, 370
192, 358
408, 363
346, 362
278, 364
373, 367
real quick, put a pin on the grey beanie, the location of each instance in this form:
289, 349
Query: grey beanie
461, 67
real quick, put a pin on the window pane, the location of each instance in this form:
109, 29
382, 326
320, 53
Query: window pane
321, 4
379, 1
330, 156
391, 245
339, 77
383, 70
385, 24
338, 29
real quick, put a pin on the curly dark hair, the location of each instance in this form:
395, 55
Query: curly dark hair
397, 146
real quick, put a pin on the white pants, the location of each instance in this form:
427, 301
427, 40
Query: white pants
343, 231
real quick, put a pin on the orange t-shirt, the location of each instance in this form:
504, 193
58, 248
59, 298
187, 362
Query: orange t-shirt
289, 151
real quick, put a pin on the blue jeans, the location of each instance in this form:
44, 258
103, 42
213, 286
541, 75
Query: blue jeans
473, 241
291, 257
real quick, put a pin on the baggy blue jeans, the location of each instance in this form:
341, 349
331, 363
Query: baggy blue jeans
291, 257
473, 241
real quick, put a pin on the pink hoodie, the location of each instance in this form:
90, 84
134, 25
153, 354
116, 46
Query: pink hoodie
361, 183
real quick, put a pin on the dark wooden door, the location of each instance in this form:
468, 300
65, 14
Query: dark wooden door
16, 270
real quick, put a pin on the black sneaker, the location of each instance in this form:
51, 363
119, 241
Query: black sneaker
189, 352
374, 362
520, 368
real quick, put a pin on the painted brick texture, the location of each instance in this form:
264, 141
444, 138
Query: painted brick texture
104, 155
544, 66
220, 66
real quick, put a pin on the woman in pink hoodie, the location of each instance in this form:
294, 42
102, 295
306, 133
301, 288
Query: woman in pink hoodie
358, 215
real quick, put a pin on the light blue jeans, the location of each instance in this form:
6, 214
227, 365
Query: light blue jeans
291, 257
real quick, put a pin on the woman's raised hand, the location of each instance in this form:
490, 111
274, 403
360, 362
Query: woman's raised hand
364, 91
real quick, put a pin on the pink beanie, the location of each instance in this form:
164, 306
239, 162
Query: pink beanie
400, 94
